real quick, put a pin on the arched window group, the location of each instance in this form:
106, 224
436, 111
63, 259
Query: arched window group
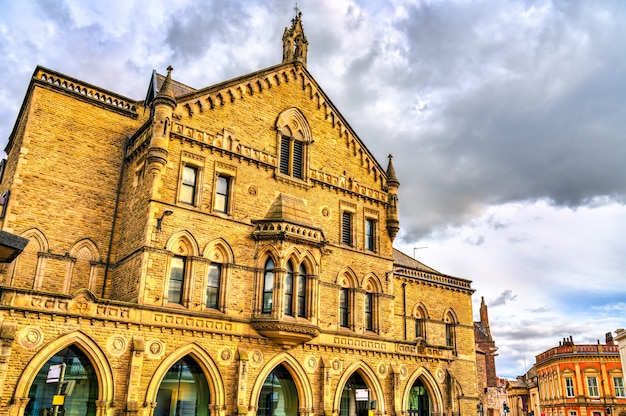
187, 382
290, 285
186, 266
358, 305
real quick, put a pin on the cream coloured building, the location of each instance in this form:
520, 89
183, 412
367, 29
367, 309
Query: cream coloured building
216, 251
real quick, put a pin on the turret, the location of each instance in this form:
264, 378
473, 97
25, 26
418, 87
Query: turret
393, 222
163, 106
295, 44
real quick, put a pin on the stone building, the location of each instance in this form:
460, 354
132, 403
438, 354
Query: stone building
572, 380
216, 251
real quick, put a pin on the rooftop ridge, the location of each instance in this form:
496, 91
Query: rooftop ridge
88, 91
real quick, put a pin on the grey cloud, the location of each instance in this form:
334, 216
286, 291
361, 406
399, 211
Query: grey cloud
504, 297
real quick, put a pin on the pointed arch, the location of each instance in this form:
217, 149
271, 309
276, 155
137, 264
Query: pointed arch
371, 283
210, 370
369, 376
347, 278
449, 316
104, 374
431, 387
420, 311
220, 251
298, 374
182, 243
82, 272
29, 264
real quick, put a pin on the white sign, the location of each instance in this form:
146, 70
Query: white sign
362, 395
54, 373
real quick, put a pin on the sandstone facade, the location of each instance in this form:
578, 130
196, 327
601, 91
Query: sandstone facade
225, 250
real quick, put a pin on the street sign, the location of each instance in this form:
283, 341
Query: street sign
54, 373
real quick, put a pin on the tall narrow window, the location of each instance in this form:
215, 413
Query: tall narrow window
291, 157
618, 384
288, 307
569, 386
346, 228
189, 185
213, 285
177, 276
450, 335
285, 150
296, 163
369, 320
369, 234
592, 387
420, 328
222, 192
268, 287
344, 308
302, 291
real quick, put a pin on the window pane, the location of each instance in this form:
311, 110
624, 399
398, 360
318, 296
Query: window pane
302, 291
569, 386
592, 386
369, 235
177, 273
288, 307
268, 287
368, 311
343, 308
213, 285
618, 383
188, 188
221, 194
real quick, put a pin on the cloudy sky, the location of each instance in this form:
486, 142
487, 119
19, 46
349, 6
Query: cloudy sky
506, 120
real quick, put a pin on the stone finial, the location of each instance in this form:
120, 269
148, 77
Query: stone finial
166, 93
295, 43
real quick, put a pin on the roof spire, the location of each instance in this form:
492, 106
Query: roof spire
166, 94
295, 44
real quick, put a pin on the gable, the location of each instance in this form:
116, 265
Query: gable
200, 117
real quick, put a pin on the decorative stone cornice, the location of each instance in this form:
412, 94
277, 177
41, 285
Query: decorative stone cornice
85, 91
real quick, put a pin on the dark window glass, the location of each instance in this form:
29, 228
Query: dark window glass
213, 285
222, 193
184, 391
302, 291
346, 228
369, 234
289, 290
420, 328
450, 335
344, 307
268, 287
369, 322
188, 188
177, 275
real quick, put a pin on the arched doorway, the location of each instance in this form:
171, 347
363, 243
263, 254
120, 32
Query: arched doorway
184, 390
355, 397
279, 395
419, 400
77, 382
